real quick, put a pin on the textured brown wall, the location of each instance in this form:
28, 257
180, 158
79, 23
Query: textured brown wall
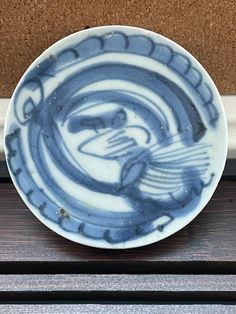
207, 28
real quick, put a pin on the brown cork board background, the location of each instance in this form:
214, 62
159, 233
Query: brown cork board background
206, 28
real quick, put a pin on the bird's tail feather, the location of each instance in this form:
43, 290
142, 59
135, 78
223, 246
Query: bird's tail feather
171, 168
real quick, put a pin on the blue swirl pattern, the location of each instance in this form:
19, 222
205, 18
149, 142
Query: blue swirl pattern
98, 104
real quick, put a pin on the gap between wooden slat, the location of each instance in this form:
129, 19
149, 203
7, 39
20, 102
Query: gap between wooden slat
108, 267
143, 297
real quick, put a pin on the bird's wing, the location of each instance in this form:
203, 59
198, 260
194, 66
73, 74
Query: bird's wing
112, 144
170, 169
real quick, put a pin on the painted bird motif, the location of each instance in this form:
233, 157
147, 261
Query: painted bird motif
152, 169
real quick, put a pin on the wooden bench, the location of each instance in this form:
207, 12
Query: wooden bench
193, 271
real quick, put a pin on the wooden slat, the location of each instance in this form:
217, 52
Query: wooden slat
111, 308
209, 238
117, 283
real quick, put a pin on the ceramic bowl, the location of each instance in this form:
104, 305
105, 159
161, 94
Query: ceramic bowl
115, 137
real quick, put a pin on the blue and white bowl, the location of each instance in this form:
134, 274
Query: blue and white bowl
116, 137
